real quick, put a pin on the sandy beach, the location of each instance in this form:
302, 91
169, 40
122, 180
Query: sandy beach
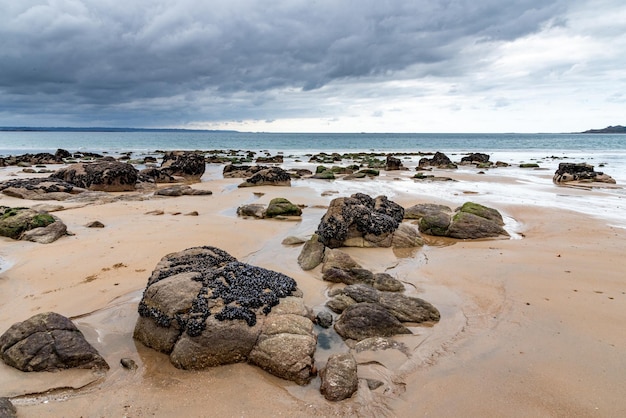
531, 326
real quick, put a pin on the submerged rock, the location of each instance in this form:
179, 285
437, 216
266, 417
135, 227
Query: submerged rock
48, 342
204, 308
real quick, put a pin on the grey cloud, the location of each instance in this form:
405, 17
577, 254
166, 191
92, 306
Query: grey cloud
126, 60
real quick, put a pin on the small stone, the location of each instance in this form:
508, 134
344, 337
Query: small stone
324, 319
128, 363
95, 224
7, 409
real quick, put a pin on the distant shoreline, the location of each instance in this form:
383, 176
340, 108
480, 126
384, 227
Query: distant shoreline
100, 129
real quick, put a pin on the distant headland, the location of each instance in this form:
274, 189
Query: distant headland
617, 129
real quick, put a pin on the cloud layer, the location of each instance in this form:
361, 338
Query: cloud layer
180, 63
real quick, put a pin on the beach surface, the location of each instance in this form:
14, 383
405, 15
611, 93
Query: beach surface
530, 326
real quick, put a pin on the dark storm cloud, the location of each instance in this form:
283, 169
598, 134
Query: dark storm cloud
162, 61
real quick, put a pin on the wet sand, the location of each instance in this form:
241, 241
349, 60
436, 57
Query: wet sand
530, 326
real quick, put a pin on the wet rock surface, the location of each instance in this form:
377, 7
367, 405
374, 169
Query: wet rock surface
7, 409
204, 308
312, 253
360, 221
572, 172
241, 171
282, 207
39, 189
181, 190
381, 313
189, 165
339, 377
393, 163
108, 176
273, 176
48, 342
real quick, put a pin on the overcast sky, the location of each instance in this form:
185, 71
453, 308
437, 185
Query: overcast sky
315, 65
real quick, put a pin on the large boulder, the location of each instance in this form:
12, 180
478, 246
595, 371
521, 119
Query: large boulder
189, 165
360, 221
438, 160
339, 377
572, 172
476, 158
424, 209
48, 342
392, 163
30, 224
273, 176
204, 308
107, 176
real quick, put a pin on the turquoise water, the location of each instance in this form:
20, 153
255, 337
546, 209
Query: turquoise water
22, 142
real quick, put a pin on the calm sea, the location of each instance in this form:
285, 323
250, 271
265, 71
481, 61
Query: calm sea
115, 142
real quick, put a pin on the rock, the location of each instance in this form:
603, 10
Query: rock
192, 213
339, 377
181, 190
424, 209
282, 207
291, 240
324, 175
393, 163
276, 159
255, 210
241, 171
95, 224
7, 409
156, 175
273, 176
476, 158
48, 342
189, 165
360, 221
312, 253
380, 344
324, 319
14, 222
406, 237
348, 276
204, 308
469, 226
386, 283
108, 176
340, 303
436, 224
439, 160
365, 320
570, 172
39, 189
46, 234
128, 363
482, 211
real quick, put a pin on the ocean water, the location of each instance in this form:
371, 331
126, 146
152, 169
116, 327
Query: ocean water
533, 187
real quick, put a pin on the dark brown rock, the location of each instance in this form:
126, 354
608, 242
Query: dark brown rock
570, 172
189, 165
364, 320
108, 176
439, 160
48, 342
273, 176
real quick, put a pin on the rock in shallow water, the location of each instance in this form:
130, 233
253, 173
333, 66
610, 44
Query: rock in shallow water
339, 377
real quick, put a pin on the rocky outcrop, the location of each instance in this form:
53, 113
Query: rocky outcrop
339, 377
392, 163
584, 173
48, 342
30, 224
470, 221
39, 189
439, 160
189, 165
155, 175
367, 312
204, 308
273, 176
181, 190
360, 221
42, 158
476, 158
107, 176
241, 171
